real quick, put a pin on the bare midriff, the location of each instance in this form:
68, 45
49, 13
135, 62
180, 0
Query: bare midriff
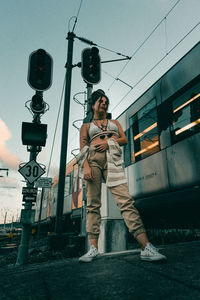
98, 140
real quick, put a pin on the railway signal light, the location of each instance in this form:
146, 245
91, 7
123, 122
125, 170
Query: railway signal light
91, 65
37, 104
40, 70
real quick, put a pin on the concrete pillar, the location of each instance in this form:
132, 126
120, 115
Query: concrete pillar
113, 237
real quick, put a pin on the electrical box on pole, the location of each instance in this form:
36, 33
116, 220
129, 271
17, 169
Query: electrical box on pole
40, 70
91, 65
34, 134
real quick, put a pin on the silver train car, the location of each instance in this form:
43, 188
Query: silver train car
72, 204
162, 158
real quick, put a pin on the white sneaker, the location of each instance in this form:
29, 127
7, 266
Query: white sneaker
150, 253
90, 255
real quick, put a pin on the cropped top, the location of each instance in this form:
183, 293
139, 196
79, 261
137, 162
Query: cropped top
95, 131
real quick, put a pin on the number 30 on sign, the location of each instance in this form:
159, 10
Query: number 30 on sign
31, 171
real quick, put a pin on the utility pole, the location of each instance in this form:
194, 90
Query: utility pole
89, 88
63, 155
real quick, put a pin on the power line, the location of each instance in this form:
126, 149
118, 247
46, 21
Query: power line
91, 43
61, 98
113, 51
75, 136
155, 65
134, 53
116, 78
76, 18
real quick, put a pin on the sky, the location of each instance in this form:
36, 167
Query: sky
156, 34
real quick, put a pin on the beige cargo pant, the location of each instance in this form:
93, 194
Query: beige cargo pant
98, 164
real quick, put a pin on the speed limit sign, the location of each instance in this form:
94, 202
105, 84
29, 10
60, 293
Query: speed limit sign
31, 171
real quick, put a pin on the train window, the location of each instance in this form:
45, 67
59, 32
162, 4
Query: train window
145, 137
186, 114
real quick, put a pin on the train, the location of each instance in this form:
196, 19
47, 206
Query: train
161, 158
73, 200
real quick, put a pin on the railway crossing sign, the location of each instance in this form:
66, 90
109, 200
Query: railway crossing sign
31, 171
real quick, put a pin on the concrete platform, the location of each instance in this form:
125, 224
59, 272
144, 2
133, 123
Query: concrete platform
113, 276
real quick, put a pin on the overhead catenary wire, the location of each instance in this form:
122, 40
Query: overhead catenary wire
62, 93
113, 51
134, 53
155, 65
61, 99
142, 44
76, 18
94, 44
55, 131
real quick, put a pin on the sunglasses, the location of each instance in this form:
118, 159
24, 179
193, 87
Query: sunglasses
102, 136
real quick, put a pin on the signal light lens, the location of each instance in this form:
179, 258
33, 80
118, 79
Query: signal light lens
40, 70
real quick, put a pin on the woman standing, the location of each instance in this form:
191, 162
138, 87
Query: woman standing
100, 159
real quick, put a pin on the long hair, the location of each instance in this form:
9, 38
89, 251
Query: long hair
93, 98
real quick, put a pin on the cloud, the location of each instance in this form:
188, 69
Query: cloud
7, 158
11, 197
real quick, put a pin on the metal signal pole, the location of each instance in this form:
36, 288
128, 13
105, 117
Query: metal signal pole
89, 92
22, 256
63, 155
34, 136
